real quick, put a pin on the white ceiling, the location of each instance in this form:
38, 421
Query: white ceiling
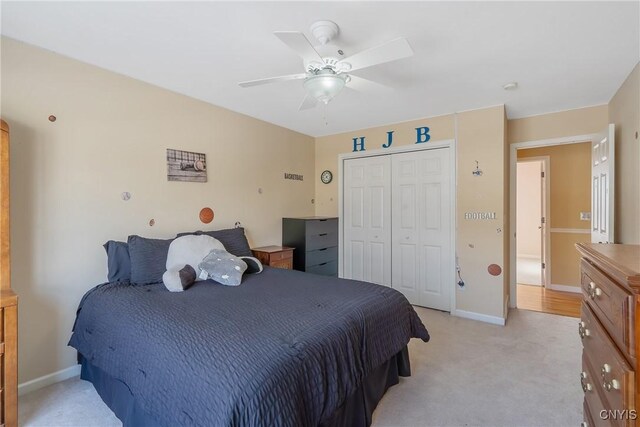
562, 54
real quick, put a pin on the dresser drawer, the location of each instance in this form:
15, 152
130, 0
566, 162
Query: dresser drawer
613, 305
319, 226
321, 241
593, 404
325, 269
283, 263
611, 375
1, 325
320, 256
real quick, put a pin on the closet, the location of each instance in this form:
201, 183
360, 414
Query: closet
397, 225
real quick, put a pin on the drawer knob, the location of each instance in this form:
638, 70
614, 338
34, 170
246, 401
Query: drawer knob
583, 382
611, 385
594, 291
608, 385
583, 331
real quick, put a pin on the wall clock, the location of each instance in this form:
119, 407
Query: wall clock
326, 177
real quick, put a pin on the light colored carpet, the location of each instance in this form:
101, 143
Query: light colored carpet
469, 374
529, 271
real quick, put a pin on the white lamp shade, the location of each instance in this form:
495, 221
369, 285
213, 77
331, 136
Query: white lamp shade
324, 87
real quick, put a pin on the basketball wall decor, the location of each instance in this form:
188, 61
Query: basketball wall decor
206, 215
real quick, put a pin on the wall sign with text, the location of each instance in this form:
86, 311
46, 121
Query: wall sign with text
480, 215
422, 135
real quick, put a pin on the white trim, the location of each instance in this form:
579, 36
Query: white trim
495, 320
445, 143
566, 288
513, 159
571, 230
55, 377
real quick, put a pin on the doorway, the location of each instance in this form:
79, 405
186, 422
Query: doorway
551, 212
532, 205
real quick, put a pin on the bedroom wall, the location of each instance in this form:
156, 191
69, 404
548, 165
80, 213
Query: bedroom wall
111, 136
480, 136
570, 185
624, 112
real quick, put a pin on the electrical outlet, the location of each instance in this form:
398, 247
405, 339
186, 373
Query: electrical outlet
585, 216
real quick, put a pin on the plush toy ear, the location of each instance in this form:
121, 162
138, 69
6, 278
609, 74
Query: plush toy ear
254, 266
179, 280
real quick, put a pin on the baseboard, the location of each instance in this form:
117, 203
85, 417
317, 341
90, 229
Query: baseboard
495, 320
565, 288
49, 379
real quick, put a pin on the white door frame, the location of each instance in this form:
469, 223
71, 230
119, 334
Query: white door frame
447, 143
513, 158
546, 250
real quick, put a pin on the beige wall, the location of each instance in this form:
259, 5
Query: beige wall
580, 121
570, 194
481, 136
624, 112
111, 136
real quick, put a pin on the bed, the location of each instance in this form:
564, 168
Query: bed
285, 348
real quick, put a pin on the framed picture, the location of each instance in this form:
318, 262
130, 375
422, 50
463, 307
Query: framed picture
186, 166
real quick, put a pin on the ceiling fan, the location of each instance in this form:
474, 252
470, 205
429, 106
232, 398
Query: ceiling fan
326, 72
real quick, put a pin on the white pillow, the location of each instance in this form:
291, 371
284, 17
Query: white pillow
187, 250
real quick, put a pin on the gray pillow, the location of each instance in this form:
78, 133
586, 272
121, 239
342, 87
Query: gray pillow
118, 261
222, 267
233, 239
148, 259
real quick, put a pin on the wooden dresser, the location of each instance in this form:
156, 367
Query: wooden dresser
315, 240
610, 333
8, 301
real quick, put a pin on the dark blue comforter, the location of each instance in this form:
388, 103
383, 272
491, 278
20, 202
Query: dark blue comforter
284, 348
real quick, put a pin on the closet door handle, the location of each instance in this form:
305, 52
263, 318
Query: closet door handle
323, 234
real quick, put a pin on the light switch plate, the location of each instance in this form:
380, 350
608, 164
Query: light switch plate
585, 216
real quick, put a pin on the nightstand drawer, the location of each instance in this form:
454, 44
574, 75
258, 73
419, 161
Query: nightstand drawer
277, 256
320, 256
283, 263
321, 241
611, 303
320, 226
325, 269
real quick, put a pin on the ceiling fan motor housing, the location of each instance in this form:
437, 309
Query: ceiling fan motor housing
324, 31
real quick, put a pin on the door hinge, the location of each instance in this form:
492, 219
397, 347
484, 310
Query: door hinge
542, 174
543, 220
544, 265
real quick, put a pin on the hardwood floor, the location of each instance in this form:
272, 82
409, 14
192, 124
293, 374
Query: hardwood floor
537, 298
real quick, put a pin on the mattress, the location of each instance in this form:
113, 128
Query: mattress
284, 348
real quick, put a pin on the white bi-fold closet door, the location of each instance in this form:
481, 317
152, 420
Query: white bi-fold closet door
397, 224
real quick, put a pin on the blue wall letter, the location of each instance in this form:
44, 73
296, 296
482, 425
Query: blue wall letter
389, 140
358, 146
422, 135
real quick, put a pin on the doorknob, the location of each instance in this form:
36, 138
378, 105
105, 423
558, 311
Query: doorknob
539, 227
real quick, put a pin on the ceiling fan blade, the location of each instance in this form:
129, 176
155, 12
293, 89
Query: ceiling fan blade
308, 102
272, 80
364, 85
390, 51
300, 44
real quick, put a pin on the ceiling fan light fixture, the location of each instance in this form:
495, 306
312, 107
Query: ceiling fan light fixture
324, 87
